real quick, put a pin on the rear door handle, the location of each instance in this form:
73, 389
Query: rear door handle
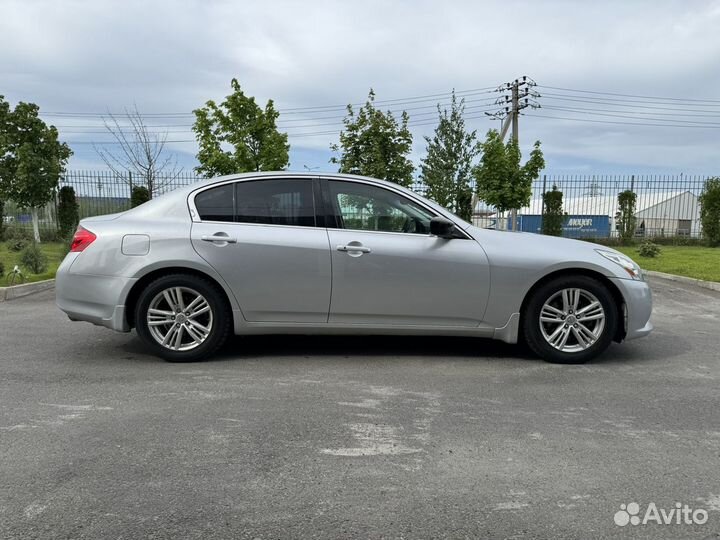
360, 249
219, 238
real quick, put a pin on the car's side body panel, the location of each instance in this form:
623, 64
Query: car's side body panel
407, 279
277, 273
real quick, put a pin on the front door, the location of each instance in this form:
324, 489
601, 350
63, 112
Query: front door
261, 237
388, 270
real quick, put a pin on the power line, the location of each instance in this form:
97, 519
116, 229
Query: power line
623, 102
129, 129
628, 95
629, 115
634, 112
295, 110
621, 123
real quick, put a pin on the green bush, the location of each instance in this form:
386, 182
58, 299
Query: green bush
51, 235
710, 211
2, 218
138, 196
553, 214
625, 217
649, 249
2, 269
68, 216
34, 259
17, 238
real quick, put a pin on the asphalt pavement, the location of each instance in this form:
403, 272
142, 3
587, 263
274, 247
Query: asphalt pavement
357, 437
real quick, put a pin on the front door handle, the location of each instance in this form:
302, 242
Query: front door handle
350, 247
218, 238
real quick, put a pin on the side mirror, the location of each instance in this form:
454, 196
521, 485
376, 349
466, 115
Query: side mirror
442, 228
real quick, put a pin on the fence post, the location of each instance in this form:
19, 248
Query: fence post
542, 202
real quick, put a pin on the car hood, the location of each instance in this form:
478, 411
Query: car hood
539, 253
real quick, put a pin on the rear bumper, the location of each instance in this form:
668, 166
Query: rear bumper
99, 300
638, 304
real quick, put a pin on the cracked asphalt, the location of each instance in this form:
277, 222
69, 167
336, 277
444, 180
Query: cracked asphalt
356, 437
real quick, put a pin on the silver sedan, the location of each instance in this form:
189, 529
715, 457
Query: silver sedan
280, 253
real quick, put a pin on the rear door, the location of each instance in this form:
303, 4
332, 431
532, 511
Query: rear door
263, 238
388, 270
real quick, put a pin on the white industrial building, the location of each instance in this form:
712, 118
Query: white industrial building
661, 213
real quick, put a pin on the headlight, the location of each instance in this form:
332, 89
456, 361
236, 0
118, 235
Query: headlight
626, 262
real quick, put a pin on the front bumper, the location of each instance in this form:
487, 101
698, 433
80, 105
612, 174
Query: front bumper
99, 300
638, 306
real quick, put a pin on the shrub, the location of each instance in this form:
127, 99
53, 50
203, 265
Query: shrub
2, 218
710, 211
68, 216
34, 259
2, 269
553, 214
51, 235
17, 238
649, 249
625, 217
138, 196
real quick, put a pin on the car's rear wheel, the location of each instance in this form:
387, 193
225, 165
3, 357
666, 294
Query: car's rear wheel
570, 319
182, 317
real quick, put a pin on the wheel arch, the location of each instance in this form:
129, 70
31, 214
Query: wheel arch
145, 280
566, 272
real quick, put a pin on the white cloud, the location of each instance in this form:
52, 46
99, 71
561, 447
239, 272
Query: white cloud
174, 55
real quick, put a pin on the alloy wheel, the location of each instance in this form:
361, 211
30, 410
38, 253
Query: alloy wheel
572, 320
179, 318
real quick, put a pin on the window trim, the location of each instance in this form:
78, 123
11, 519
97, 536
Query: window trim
317, 202
333, 210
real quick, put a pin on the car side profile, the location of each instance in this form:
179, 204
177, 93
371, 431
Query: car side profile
303, 253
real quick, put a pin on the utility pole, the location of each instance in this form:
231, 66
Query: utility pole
521, 96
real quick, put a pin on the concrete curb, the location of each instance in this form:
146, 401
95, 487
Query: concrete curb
16, 291
712, 285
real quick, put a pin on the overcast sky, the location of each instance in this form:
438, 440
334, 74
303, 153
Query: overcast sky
170, 57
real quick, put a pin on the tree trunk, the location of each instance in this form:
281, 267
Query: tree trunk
35, 224
501, 222
513, 218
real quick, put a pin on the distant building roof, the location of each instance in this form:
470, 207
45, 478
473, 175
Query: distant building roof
679, 204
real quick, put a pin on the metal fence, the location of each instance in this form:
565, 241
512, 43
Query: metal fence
666, 206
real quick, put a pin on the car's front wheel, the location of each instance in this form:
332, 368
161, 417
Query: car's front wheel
182, 317
570, 319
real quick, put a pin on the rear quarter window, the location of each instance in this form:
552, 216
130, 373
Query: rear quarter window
216, 204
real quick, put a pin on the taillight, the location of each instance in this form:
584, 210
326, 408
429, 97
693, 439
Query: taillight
82, 239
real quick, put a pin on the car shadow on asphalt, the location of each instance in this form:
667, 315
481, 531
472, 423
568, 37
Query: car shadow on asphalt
306, 346
260, 347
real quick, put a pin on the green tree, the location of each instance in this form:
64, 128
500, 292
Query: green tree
138, 196
501, 181
553, 214
374, 144
68, 211
710, 211
2, 218
251, 131
447, 168
625, 216
31, 158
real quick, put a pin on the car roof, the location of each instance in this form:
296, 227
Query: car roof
176, 200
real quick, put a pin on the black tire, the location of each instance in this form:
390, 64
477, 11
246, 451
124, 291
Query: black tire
533, 333
219, 310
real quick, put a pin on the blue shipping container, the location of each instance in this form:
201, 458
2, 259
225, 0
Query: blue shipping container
573, 226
